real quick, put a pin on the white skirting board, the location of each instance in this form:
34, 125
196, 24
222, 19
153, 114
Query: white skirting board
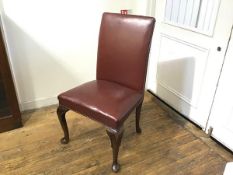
38, 103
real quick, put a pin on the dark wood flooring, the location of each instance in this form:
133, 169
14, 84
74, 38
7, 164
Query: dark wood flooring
168, 145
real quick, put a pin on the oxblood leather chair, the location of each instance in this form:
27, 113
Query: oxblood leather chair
124, 44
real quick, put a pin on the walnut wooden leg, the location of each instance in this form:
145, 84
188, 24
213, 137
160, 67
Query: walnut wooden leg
138, 114
61, 112
115, 138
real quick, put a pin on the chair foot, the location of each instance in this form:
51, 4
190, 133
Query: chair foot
61, 111
64, 140
115, 167
115, 138
138, 114
139, 130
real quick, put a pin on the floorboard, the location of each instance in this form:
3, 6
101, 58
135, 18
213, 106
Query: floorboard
168, 145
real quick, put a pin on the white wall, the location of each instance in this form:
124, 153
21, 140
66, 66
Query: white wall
53, 44
1, 6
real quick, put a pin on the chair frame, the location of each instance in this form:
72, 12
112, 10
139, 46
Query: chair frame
114, 135
115, 130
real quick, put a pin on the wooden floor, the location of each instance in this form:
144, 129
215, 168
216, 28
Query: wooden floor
168, 145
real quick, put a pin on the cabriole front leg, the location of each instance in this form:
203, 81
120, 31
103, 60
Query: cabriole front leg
115, 137
61, 112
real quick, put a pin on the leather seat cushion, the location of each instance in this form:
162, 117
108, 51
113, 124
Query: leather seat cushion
106, 102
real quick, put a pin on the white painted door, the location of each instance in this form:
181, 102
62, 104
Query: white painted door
184, 63
221, 117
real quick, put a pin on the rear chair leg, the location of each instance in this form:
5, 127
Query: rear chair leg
61, 112
115, 137
138, 114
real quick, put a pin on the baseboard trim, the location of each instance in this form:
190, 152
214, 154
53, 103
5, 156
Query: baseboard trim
38, 103
171, 111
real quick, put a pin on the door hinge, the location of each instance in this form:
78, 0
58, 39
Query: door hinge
210, 130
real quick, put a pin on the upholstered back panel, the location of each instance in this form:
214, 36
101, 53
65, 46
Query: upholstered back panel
124, 44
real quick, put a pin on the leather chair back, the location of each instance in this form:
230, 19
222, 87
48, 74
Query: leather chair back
123, 49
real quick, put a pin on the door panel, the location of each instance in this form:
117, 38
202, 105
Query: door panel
173, 62
184, 63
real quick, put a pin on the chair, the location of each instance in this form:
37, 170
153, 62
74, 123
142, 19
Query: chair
124, 44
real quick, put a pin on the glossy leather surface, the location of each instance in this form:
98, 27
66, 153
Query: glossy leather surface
104, 101
124, 44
